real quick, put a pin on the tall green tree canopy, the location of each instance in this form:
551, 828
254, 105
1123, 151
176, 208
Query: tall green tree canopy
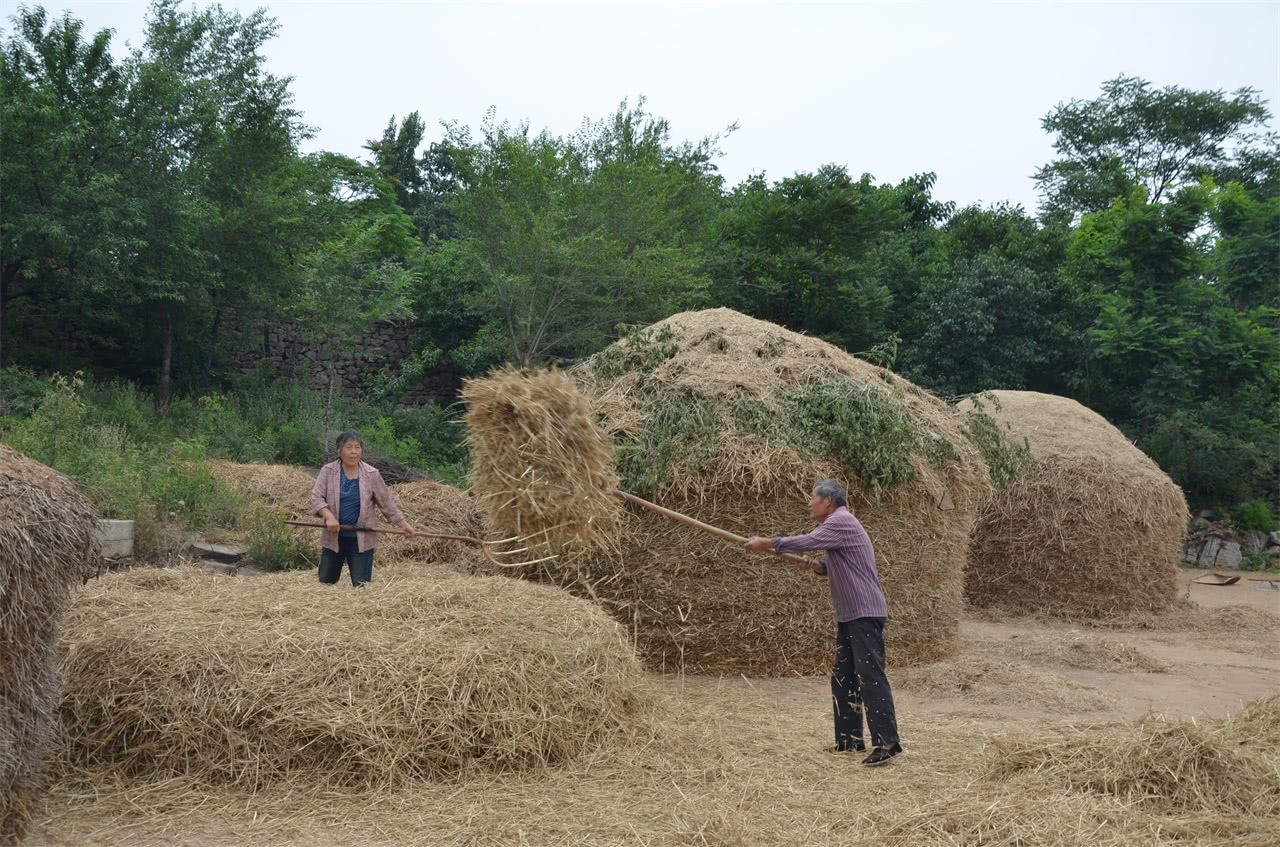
1158, 138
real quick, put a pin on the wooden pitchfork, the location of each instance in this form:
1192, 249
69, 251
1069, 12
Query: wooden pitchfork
486, 547
801, 562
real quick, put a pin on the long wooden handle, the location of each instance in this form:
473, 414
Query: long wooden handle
358, 528
706, 527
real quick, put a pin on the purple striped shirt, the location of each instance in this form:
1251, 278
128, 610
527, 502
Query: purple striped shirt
850, 561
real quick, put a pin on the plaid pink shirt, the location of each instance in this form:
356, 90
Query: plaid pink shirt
850, 561
328, 492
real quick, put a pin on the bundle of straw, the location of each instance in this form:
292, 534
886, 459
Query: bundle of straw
47, 541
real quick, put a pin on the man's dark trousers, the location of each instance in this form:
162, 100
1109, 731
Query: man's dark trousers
859, 684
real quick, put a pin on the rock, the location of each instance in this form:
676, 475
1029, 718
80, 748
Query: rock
1199, 523
246, 570
1218, 553
1274, 538
1191, 553
226, 553
1253, 541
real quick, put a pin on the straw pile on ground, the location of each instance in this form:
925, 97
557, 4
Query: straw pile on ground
283, 489
1179, 766
731, 420
275, 681
1093, 528
47, 542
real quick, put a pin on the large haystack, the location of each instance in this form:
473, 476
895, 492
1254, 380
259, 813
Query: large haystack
731, 420
1092, 528
47, 541
275, 680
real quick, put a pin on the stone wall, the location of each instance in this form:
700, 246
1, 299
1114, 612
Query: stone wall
355, 359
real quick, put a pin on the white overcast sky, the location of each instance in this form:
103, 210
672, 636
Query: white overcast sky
887, 89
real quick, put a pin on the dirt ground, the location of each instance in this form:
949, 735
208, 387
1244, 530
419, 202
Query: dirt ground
742, 761
1251, 590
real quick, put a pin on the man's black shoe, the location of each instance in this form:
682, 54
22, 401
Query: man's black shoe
882, 755
858, 746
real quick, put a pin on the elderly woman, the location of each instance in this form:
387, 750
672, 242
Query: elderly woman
344, 495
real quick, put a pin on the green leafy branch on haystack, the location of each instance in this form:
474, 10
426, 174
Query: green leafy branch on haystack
863, 426
1007, 459
641, 351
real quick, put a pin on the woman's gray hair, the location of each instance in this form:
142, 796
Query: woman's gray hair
830, 488
350, 436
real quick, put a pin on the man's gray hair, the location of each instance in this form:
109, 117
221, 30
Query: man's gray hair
830, 488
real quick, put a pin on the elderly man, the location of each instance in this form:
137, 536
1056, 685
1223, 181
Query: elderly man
858, 680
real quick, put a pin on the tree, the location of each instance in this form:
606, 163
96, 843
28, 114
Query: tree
357, 268
986, 325
66, 207
1160, 139
823, 253
423, 184
212, 134
573, 236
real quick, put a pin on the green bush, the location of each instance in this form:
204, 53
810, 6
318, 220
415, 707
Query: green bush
20, 392
273, 546
1211, 464
1255, 515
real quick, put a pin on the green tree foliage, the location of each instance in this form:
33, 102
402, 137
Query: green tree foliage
571, 236
67, 210
1159, 139
985, 325
822, 253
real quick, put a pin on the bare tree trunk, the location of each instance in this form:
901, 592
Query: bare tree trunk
166, 357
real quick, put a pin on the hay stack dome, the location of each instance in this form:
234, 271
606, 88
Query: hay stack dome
282, 489
731, 420
47, 541
1092, 528
279, 681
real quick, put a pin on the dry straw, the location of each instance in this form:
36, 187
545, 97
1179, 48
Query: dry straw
998, 681
540, 465
1178, 766
439, 508
279, 681
737, 763
283, 489
1092, 529
47, 541
694, 602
